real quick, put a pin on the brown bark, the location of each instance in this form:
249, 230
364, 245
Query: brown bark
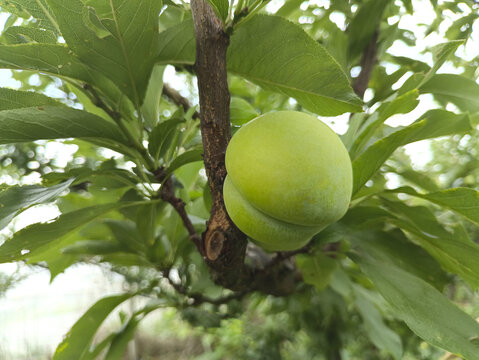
368, 61
224, 244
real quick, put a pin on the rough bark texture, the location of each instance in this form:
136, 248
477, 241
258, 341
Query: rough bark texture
224, 244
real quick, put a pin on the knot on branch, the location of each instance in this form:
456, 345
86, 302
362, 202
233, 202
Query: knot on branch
214, 242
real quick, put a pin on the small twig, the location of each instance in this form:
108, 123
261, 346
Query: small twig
97, 101
178, 99
368, 60
116, 116
198, 298
167, 194
283, 255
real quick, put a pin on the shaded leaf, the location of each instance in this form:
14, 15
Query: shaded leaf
92, 247
378, 332
183, 159
78, 339
121, 339
316, 269
161, 137
126, 234
463, 201
424, 309
241, 111
177, 44
456, 254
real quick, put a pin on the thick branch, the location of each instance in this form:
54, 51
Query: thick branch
368, 60
224, 244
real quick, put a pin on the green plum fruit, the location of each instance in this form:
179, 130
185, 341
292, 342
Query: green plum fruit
289, 176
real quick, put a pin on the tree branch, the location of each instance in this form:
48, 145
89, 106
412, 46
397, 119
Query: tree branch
178, 99
368, 60
224, 244
167, 194
198, 299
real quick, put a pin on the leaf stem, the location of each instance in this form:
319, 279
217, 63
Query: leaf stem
116, 117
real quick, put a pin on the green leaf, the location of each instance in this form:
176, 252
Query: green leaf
178, 44
39, 10
241, 111
24, 34
400, 105
162, 136
440, 54
393, 247
146, 223
454, 253
363, 26
289, 7
92, 247
114, 37
120, 342
37, 237
57, 60
15, 99
95, 351
151, 106
284, 59
463, 201
126, 234
417, 178
220, 7
33, 237
316, 269
432, 124
424, 309
54, 122
378, 332
78, 339
183, 159
13, 200
459, 90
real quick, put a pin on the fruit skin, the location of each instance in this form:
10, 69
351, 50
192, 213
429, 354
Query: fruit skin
289, 176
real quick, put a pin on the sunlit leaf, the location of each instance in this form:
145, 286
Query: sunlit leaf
54, 122
117, 38
15, 199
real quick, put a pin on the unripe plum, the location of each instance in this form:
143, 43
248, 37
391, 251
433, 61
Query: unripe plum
289, 176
